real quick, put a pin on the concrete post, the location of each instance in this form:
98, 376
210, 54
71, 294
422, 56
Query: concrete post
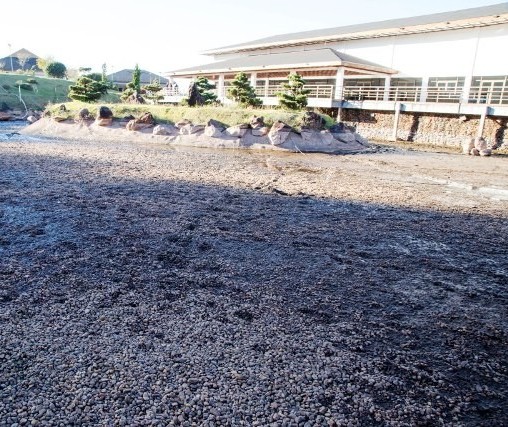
464, 97
267, 85
339, 84
425, 87
396, 121
481, 126
386, 93
220, 88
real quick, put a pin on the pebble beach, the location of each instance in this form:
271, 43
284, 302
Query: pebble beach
149, 285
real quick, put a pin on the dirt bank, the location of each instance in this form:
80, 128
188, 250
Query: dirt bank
145, 284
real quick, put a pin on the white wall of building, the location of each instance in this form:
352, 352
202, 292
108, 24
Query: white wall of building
465, 52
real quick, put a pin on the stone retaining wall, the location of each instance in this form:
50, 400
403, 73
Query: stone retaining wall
426, 128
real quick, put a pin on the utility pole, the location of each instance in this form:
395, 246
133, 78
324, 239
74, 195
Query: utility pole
10, 54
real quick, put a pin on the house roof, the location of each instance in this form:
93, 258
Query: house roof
125, 76
23, 53
465, 18
22, 59
285, 60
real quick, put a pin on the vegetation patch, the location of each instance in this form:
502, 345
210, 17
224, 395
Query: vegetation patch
230, 116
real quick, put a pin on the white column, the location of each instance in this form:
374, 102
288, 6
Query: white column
267, 85
253, 79
466, 89
339, 84
481, 126
386, 93
425, 86
220, 88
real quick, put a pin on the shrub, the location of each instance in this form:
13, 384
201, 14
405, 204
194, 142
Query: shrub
56, 69
32, 81
24, 85
85, 90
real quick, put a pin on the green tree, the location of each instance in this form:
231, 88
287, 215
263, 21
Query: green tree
98, 78
153, 91
42, 63
293, 96
242, 92
204, 88
86, 90
56, 69
134, 86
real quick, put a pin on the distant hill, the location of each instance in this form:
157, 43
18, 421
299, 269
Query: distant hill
22, 59
44, 92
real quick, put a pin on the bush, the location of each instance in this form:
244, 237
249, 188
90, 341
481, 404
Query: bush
85, 90
24, 85
32, 81
56, 69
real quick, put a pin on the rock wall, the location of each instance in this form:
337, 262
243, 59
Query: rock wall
426, 128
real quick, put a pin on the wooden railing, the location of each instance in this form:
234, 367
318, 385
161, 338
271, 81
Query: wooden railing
477, 94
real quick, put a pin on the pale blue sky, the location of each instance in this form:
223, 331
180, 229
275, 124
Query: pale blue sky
164, 35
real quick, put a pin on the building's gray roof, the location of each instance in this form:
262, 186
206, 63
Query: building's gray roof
338, 33
125, 76
284, 60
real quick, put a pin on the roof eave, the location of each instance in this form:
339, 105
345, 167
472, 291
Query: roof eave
335, 64
386, 32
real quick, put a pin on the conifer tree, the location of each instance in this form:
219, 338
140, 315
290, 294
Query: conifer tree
134, 86
242, 92
204, 88
153, 91
85, 90
293, 96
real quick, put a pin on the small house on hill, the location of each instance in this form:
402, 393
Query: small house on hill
121, 78
20, 60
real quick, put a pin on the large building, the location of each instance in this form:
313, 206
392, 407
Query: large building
449, 63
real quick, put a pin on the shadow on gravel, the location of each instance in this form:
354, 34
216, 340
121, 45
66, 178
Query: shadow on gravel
314, 307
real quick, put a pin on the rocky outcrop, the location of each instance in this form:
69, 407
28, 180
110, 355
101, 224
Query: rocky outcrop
317, 136
279, 132
145, 121
476, 147
258, 126
164, 130
314, 121
190, 129
237, 131
4, 117
104, 113
83, 115
214, 129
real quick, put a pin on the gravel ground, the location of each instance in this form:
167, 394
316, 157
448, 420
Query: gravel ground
144, 285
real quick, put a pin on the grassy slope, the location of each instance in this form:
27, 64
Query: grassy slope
46, 91
199, 115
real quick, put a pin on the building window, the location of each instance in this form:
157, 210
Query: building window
489, 90
405, 89
445, 89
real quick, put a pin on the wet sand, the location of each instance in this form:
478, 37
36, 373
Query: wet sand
144, 284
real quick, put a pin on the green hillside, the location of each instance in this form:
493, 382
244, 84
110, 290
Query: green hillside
45, 91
